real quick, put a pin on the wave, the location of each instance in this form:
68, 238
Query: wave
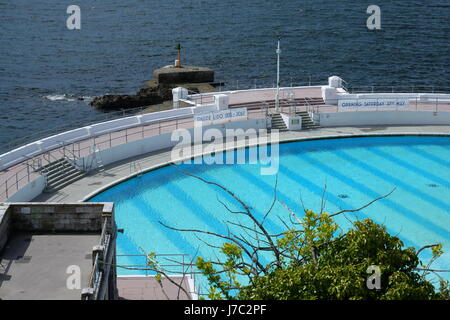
67, 97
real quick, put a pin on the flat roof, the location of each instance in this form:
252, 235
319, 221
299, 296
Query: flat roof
34, 266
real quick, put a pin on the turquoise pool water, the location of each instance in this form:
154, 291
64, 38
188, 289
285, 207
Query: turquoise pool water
354, 170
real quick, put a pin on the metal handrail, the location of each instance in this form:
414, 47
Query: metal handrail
13, 182
10, 145
187, 268
398, 89
97, 272
23, 173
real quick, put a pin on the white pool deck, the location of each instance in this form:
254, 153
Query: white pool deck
120, 171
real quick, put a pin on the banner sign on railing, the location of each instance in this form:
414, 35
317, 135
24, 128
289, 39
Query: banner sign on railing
374, 103
221, 116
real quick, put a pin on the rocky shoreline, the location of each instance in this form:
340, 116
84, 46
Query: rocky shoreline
159, 90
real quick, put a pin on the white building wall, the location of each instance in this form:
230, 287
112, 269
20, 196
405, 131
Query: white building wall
29, 191
163, 141
363, 118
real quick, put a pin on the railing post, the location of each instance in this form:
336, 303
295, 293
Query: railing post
87, 294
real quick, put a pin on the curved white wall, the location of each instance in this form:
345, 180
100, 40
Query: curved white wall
128, 150
331, 95
32, 149
163, 141
363, 118
29, 191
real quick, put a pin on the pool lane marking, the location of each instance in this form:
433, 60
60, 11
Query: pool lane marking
433, 201
415, 170
429, 156
407, 213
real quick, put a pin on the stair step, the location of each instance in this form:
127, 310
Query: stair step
56, 179
65, 182
54, 165
59, 174
51, 165
57, 171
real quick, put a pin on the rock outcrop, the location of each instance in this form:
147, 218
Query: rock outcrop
144, 97
159, 89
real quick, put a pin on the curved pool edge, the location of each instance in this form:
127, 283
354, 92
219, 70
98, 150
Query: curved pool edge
283, 140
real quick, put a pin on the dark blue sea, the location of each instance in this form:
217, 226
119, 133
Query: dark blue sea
45, 68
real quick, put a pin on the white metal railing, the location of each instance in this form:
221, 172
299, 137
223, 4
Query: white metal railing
250, 84
97, 117
15, 177
415, 104
96, 277
173, 265
398, 89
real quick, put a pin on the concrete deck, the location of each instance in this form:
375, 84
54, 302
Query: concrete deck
33, 267
119, 171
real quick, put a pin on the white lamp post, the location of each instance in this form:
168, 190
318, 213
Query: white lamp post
277, 96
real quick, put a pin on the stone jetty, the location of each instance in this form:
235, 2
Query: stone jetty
159, 89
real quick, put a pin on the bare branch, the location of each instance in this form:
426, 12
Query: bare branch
274, 199
245, 207
292, 212
426, 247
364, 206
219, 236
322, 202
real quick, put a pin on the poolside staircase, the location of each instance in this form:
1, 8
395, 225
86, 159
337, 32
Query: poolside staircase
59, 174
307, 122
278, 123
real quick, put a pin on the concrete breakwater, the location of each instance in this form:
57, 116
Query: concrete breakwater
159, 89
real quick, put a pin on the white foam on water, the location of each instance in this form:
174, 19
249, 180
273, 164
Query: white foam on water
67, 97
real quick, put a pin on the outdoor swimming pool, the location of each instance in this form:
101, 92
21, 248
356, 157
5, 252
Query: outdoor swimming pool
354, 170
